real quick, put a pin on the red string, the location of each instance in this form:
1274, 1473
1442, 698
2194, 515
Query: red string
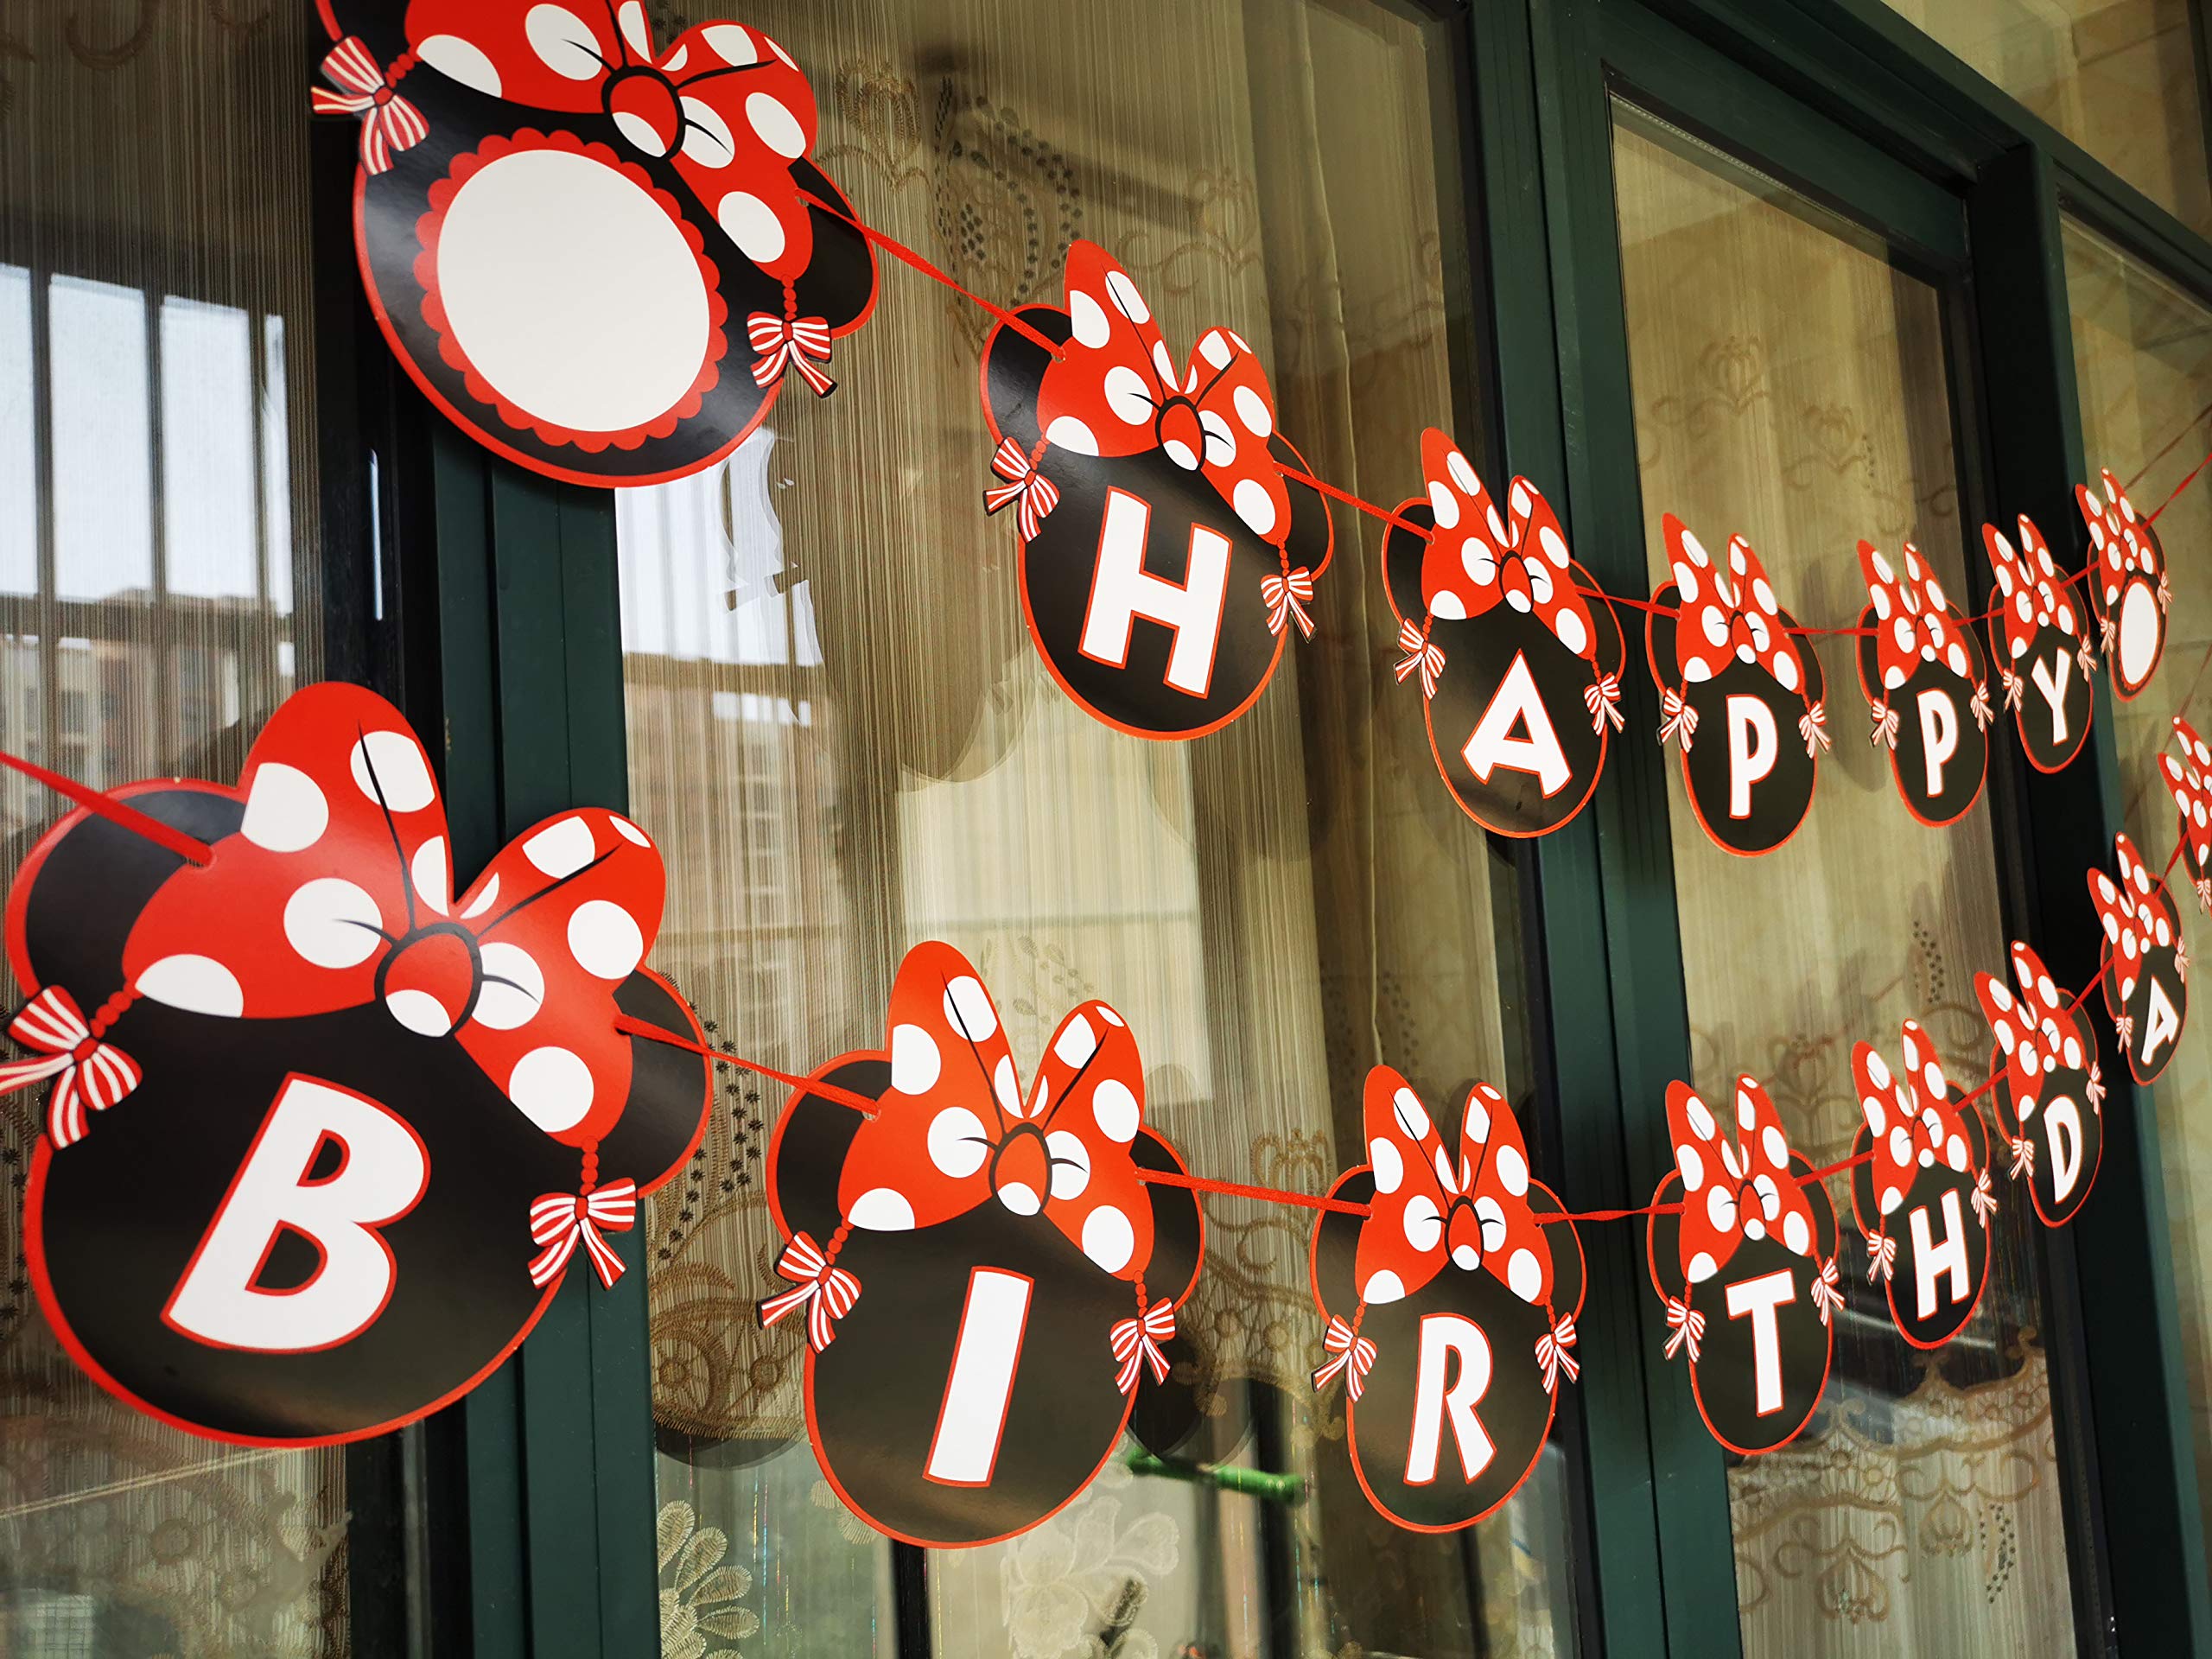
92, 800
2179, 487
1239, 1190
329, 20
1351, 501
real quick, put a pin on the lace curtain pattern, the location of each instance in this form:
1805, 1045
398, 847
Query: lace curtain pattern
846, 744
1790, 385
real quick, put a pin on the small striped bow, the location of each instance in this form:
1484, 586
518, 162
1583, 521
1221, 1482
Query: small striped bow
1680, 722
1029, 489
1351, 1353
2086, 655
2023, 1157
1813, 726
90, 1075
828, 1294
2015, 687
389, 122
1984, 1200
1687, 1324
1136, 1345
1285, 596
561, 1221
2096, 1089
1881, 1257
1827, 1290
1552, 1355
801, 343
1602, 698
1978, 706
1886, 727
1421, 655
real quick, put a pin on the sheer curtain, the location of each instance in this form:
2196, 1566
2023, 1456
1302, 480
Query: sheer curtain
843, 739
158, 597
1790, 385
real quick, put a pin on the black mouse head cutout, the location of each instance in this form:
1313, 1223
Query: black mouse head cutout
1166, 551
1517, 653
2040, 641
2049, 1088
1921, 670
1921, 1192
600, 257
2145, 961
322, 1136
1450, 1307
2127, 584
985, 1274
1741, 694
2187, 769
1742, 1251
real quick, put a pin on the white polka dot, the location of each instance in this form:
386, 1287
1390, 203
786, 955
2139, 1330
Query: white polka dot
1072, 436
605, 940
552, 1087
776, 126
1702, 1267
1747, 1111
1423, 1222
1443, 505
1477, 1121
1719, 1207
1383, 1287
1389, 1169
391, 763
1692, 1167
1955, 1153
1020, 1197
1254, 504
1776, 1148
460, 60
1696, 670
563, 42
1110, 1016
514, 990
1076, 1041
640, 132
1524, 1275
432, 874
419, 1012
706, 135
560, 849
752, 225
1796, 1235
1715, 626
1114, 1110
1127, 300
196, 984
968, 1008
1900, 1146
880, 1210
1448, 606
1071, 1164
733, 44
1878, 1116
1182, 455
1890, 1199
1785, 671
956, 1142
915, 1062
1572, 634
285, 811
1412, 1117
1252, 410
1700, 1118
483, 901
1127, 395
333, 923
1089, 321
1512, 1170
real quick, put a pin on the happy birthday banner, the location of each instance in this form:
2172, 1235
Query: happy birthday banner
322, 1135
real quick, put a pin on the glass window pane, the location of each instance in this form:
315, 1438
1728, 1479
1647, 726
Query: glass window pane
2120, 78
1789, 385
845, 744
2143, 358
19, 491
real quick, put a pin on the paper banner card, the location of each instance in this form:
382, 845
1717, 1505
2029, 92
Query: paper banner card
2127, 584
1517, 653
1740, 695
985, 1280
2048, 1087
1450, 1307
321, 1137
2144, 969
1165, 554
2041, 642
1746, 1267
2188, 772
600, 258
1921, 671
1920, 1194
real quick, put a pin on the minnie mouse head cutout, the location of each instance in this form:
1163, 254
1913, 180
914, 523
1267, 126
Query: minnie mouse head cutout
2127, 585
2042, 646
2189, 778
1746, 1268
1741, 695
2146, 962
601, 260
1165, 554
2048, 1086
1451, 1308
1518, 654
1922, 1197
986, 1278
321, 1138
1921, 671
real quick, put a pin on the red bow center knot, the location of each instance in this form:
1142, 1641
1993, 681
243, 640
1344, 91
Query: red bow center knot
89, 1075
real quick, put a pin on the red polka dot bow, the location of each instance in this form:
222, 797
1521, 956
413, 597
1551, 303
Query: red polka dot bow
1912, 1124
2037, 1027
336, 891
90, 1076
725, 106
1728, 614
2188, 777
1434, 1209
1736, 1184
2127, 549
2033, 596
2137, 914
389, 122
955, 1130
1115, 390
1915, 624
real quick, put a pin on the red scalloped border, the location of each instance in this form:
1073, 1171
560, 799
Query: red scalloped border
427, 230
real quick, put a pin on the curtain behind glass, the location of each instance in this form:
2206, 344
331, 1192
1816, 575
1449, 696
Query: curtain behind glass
156, 477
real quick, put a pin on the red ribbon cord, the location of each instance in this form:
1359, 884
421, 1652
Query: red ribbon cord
561, 1221
115, 812
826, 1292
1136, 1343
